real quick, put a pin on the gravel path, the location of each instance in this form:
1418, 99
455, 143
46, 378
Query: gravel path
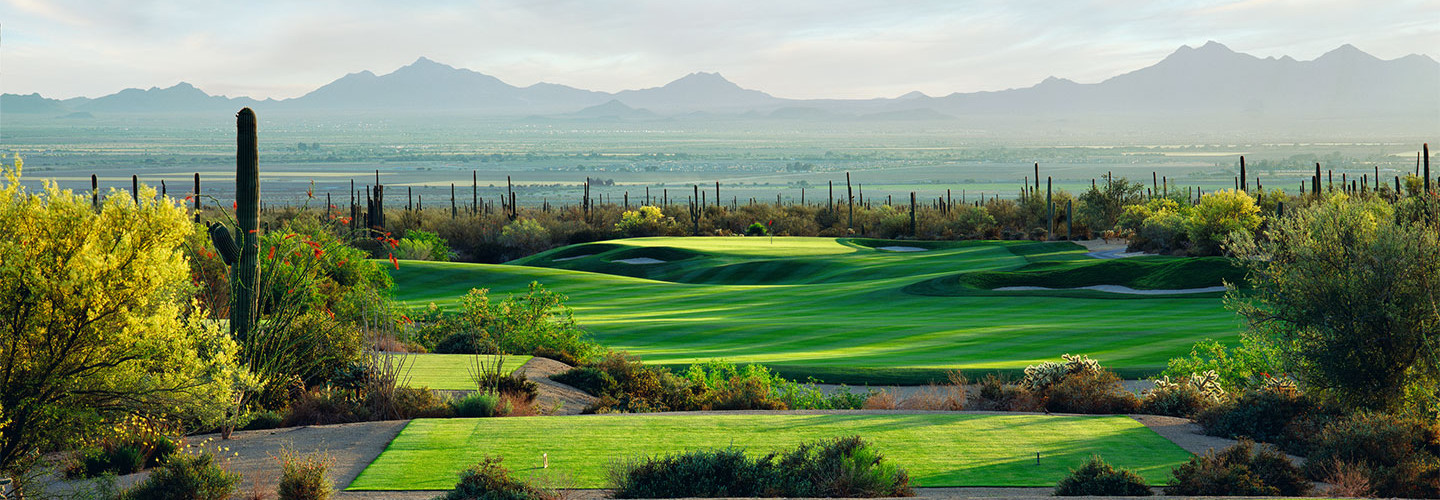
555, 398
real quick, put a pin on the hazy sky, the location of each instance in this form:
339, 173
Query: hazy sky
796, 49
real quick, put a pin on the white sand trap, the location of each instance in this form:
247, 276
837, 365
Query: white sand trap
640, 260
1116, 289
902, 249
562, 259
1114, 254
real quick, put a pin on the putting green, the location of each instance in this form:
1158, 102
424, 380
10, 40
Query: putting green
451, 372
937, 450
845, 316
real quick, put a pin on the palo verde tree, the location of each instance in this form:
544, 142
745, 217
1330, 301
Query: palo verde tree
96, 318
1351, 295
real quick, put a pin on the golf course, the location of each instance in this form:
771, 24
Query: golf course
861, 310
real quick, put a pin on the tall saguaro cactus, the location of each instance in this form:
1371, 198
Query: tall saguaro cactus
245, 275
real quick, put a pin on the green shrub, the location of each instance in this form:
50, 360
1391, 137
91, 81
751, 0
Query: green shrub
302, 477
413, 402
1099, 478
264, 420
436, 247
1239, 470
476, 404
1401, 455
756, 229
119, 460
186, 477
513, 385
1185, 398
843, 467
488, 480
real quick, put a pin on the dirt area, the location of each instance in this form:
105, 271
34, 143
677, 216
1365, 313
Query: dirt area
555, 398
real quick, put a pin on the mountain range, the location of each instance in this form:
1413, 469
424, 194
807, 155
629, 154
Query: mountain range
1208, 81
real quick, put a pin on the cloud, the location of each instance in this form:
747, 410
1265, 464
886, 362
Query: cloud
803, 49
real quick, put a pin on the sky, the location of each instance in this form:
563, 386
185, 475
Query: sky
795, 49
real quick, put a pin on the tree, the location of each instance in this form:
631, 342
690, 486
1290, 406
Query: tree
1351, 295
96, 318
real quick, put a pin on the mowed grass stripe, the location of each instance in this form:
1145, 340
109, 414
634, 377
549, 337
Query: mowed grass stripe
937, 450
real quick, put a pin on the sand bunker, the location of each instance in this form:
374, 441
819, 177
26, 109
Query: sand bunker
1115, 289
640, 260
562, 259
1118, 253
901, 249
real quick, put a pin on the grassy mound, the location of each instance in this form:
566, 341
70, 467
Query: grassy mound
936, 449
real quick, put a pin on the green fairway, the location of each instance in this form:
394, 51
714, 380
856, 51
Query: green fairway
451, 372
937, 449
848, 311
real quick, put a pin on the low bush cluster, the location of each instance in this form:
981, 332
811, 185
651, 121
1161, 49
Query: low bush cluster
844, 467
624, 384
489, 480
186, 477
537, 323
303, 476
133, 444
1394, 456
1184, 398
1098, 478
1239, 470
1276, 414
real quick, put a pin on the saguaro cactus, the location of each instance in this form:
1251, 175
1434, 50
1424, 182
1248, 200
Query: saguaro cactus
245, 274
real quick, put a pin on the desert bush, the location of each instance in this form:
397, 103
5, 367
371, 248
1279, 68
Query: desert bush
882, 400
1347, 480
525, 235
264, 420
1400, 456
435, 247
1040, 377
303, 476
1238, 367
536, 323
936, 397
1095, 392
418, 402
476, 404
797, 396
1098, 478
843, 467
489, 480
646, 221
186, 477
1271, 415
1239, 470
1184, 398
1217, 215
995, 393
513, 385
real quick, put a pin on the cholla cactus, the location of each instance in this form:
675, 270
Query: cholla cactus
1206, 383
1042, 376
1282, 384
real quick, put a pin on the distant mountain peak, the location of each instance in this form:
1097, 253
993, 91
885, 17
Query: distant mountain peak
1051, 81
914, 94
425, 62
1346, 52
703, 78
1214, 46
